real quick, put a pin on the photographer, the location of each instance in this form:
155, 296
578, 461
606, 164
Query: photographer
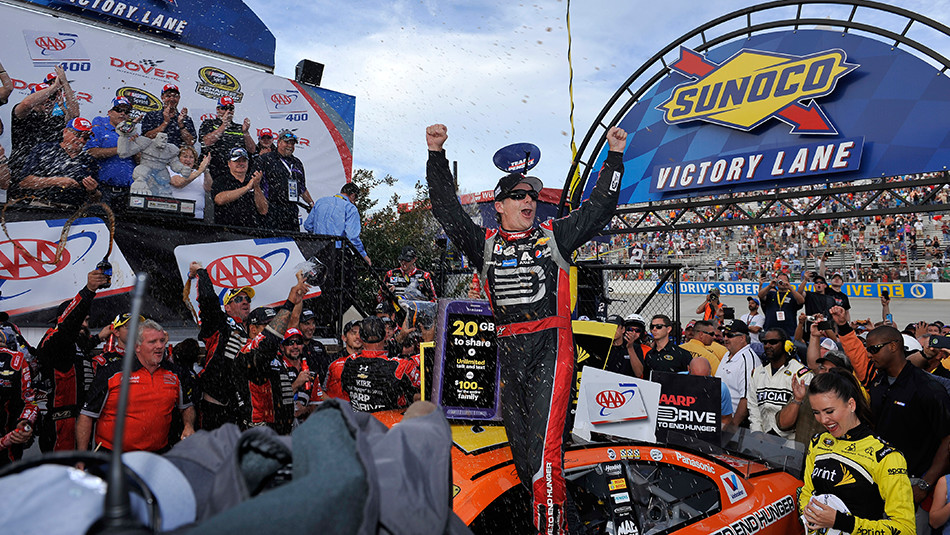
817, 301
780, 303
711, 308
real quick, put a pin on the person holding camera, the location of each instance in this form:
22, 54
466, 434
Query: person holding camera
711, 308
780, 303
817, 300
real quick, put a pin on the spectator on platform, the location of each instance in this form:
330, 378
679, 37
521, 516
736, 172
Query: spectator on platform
239, 200
286, 184
265, 141
314, 352
60, 174
711, 308
115, 172
221, 135
41, 117
337, 215
780, 303
194, 186
700, 368
177, 124
735, 370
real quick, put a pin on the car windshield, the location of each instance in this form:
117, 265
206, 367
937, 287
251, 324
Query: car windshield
746, 449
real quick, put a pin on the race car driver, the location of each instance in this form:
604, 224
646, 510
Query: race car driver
224, 334
524, 267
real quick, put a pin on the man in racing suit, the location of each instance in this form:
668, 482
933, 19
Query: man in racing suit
224, 334
18, 409
264, 379
525, 271
63, 354
407, 281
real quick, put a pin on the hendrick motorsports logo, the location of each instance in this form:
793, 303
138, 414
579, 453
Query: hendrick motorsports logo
215, 83
753, 86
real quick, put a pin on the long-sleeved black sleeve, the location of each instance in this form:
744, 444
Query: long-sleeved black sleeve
209, 308
57, 347
463, 232
578, 227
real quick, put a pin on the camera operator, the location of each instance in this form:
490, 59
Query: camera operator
817, 301
780, 303
711, 308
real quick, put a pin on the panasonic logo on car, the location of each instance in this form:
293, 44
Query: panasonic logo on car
695, 463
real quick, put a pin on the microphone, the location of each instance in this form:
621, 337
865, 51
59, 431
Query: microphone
117, 510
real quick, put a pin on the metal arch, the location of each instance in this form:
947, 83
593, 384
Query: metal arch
575, 189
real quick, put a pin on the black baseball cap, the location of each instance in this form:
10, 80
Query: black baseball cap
508, 182
261, 316
408, 253
350, 324
307, 315
615, 319
737, 326
372, 330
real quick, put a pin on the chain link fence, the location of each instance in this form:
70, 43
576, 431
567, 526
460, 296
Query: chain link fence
624, 289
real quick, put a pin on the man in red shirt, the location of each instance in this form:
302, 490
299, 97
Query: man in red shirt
157, 387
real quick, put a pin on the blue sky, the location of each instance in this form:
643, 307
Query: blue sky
494, 72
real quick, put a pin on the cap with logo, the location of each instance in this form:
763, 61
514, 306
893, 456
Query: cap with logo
233, 292
265, 132
123, 319
752, 300
80, 124
292, 332
737, 326
829, 344
38, 87
237, 153
170, 88
225, 101
615, 319
261, 316
350, 325
507, 184
121, 102
307, 315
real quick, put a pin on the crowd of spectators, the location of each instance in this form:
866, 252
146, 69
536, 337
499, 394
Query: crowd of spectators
60, 159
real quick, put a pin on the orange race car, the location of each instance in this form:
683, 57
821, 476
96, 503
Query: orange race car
748, 486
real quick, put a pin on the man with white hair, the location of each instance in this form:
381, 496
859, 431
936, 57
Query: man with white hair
156, 388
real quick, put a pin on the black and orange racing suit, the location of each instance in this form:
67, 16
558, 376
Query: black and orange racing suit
64, 356
17, 400
266, 382
867, 474
527, 283
223, 336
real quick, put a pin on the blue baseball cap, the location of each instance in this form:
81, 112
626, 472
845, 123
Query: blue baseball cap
237, 153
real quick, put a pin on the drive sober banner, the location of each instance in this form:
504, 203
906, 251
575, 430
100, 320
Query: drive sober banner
689, 405
466, 373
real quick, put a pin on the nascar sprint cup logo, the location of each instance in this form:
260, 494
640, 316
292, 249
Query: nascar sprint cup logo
215, 83
142, 101
753, 86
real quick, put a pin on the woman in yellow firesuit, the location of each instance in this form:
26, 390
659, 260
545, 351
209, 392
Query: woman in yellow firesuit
854, 481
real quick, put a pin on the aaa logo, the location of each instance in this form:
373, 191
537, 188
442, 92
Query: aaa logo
754, 86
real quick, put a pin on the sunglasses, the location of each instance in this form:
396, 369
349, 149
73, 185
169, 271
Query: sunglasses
773, 342
294, 342
225, 107
122, 110
520, 194
240, 299
877, 347
710, 333
656, 326
635, 329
